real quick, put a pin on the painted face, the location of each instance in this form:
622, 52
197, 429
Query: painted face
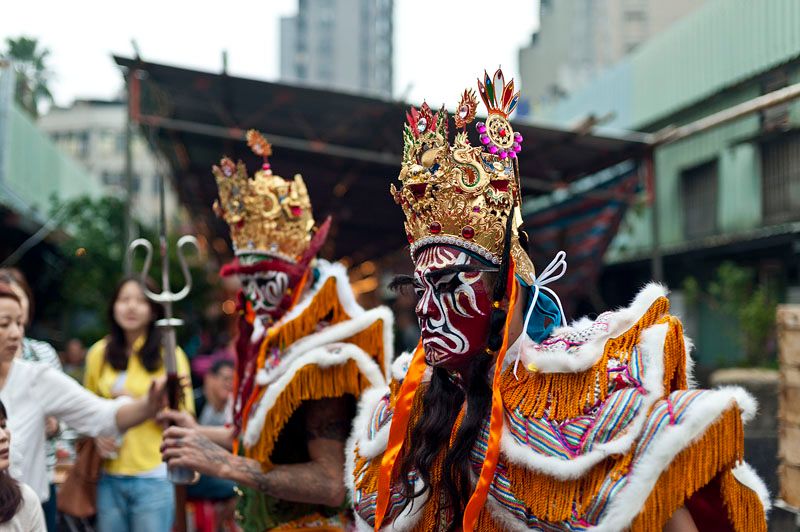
265, 290
11, 329
454, 305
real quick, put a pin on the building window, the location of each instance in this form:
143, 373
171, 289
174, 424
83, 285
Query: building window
635, 15
121, 141
110, 179
699, 186
83, 144
780, 178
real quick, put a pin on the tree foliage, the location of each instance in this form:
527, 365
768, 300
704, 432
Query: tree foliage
749, 305
31, 85
95, 251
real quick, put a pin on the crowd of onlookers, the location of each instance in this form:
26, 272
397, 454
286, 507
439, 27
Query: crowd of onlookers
110, 393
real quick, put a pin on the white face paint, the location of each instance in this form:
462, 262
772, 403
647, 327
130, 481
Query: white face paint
265, 290
453, 308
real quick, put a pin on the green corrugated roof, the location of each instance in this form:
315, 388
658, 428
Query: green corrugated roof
37, 170
719, 45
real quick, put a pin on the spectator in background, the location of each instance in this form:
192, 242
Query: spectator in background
133, 492
74, 358
38, 351
34, 391
20, 509
213, 498
214, 403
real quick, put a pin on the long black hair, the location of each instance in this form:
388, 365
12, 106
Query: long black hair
10, 494
116, 348
442, 403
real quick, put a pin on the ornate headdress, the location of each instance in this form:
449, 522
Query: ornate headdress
268, 215
463, 194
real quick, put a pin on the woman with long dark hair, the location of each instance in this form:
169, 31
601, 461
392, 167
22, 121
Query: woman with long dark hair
19, 506
133, 492
34, 391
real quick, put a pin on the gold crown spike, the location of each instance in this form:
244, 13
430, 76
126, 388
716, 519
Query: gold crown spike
461, 194
467, 108
267, 214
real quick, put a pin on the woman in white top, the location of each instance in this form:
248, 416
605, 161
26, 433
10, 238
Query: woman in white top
20, 510
34, 391
38, 351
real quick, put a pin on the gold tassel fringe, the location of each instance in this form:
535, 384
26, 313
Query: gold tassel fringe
720, 448
566, 395
745, 511
552, 499
311, 382
325, 306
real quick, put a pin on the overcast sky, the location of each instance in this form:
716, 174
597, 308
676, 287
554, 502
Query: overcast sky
441, 46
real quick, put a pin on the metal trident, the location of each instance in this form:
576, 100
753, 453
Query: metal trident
166, 297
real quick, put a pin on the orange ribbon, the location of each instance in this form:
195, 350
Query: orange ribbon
478, 498
398, 430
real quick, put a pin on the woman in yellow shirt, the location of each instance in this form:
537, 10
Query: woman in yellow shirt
133, 494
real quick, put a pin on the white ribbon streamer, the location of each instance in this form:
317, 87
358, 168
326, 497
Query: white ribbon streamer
554, 271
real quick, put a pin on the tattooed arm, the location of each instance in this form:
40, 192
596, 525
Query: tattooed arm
221, 435
318, 481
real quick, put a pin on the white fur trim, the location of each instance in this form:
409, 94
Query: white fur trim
322, 357
652, 348
688, 346
332, 334
670, 441
371, 449
361, 525
366, 408
346, 297
368, 448
400, 366
585, 356
747, 476
258, 330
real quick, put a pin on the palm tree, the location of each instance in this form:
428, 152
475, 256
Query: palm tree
32, 76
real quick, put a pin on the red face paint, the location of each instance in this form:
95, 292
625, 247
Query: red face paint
453, 308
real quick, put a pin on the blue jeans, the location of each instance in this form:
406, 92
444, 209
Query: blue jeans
133, 504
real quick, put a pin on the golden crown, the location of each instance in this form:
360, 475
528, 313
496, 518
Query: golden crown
462, 195
267, 215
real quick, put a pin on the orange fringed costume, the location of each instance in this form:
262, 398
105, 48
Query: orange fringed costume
593, 427
302, 335
601, 432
